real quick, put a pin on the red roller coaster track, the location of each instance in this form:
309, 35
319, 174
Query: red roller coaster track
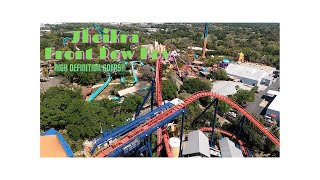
159, 81
159, 99
166, 143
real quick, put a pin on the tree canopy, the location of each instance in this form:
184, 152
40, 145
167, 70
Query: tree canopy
242, 96
131, 103
61, 108
169, 90
220, 74
193, 85
224, 107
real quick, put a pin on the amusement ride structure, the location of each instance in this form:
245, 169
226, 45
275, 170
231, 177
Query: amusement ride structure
136, 136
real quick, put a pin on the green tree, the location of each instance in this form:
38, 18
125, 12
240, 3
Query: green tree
61, 108
53, 104
253, 137
184, 42
270, 146
221, 74
112, 107
131, 103
243, 96
224, 107
193, 111
73, 132
193, 85
210, 62
254, 89
169, 90
86, 117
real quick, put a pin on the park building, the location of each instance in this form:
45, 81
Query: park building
228, 148
267, 80
273, 110
52, 144
248, 75
196, 145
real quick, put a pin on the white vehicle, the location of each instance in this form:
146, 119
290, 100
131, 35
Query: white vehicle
233, 114
268, 119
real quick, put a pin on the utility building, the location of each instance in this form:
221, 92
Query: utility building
229, 149
196, 145
246, 75
274, 108
267, 80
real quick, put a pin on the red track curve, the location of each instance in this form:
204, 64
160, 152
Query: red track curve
104, 152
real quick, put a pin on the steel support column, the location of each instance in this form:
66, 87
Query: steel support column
214, 101
181, 134
214, 123
149, 149
151, 91
152, 94
240, 126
